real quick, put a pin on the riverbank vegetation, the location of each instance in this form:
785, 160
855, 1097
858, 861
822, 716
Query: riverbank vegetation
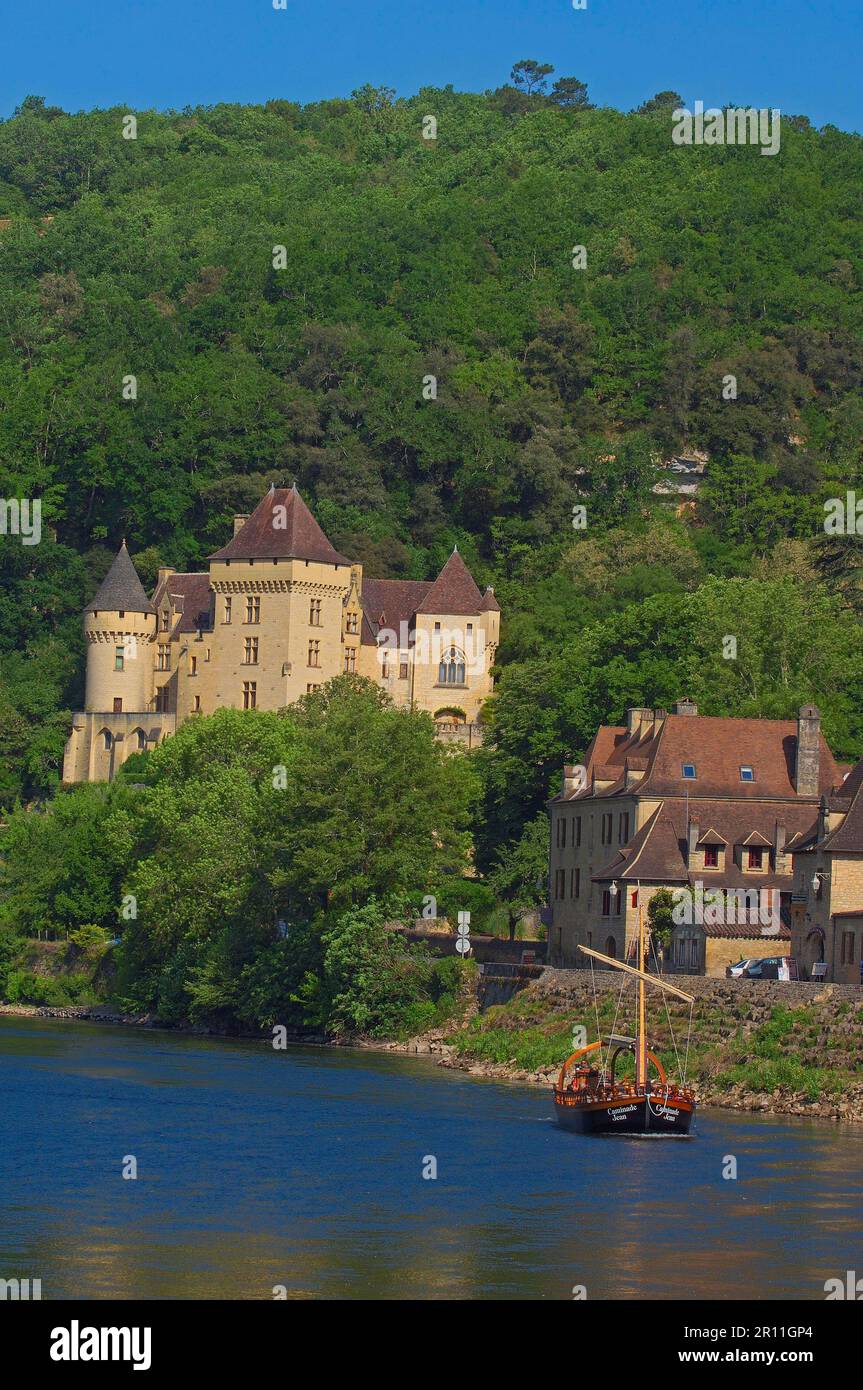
254, 866
745, 1046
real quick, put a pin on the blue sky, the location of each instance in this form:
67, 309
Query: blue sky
803, 56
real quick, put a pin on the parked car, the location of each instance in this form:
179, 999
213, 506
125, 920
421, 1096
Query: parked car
733, 972
772, 968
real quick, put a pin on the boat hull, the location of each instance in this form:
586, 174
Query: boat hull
634, 1115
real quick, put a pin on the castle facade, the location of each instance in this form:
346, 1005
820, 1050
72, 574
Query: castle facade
278, 613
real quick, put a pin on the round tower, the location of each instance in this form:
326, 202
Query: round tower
118, 626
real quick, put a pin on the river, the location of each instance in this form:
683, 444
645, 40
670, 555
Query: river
303, 1170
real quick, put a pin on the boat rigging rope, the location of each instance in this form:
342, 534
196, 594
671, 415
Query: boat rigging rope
681, 1069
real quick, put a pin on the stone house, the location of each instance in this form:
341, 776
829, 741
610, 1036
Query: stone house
277, 613
827, 899
695, 804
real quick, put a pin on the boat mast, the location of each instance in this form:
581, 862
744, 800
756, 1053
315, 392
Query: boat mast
641, 1038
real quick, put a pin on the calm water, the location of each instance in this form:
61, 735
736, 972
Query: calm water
304, 1168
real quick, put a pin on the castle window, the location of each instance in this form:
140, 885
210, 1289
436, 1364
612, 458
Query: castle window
250, 695
253, 610
350, 659
166, 619
576, 832
142, 740
118, 704
194, 670
606, 902
250, 651
228, 605
197, 704
119, 658
314, 653
108, 741
606, 828
848, 948
351, 623
163, 657
403, 670
561, 832
162, 699
451, 670
623, 828
560, 883
315, 612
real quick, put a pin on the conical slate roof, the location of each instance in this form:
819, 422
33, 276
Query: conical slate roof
121, 590
454, 590
291, 533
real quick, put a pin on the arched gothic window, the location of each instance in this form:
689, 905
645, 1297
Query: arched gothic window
451, 670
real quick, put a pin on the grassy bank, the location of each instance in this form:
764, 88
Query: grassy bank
748, 1051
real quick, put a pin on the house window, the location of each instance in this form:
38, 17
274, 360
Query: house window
606, 902
350, 659
403, 670
754, 858
253, 610
451, 669
197, 705
352, 623
576, 832
634, 898
228, 605
747, 774
314, 653
623, 828
561, 832
162, 699
559, 884
250, 694
163, 657
310, 688
711, 856
689, 771
119, 661
250, 651
848, 948
575, 882
606, 828
315, 612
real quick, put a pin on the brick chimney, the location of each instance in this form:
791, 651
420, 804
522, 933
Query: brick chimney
806, 773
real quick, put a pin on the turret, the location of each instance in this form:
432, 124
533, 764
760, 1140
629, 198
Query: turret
118, 626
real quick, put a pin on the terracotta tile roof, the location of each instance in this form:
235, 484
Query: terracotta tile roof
847, 838
390, 602
192, 596
489, 602
121, 590
454, 590
717, 747
289, 534
742, 931
657, 853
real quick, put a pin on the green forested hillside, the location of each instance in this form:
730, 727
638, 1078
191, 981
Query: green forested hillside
153, 257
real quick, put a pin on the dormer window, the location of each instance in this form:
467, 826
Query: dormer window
166, 619
754, 857
711, 856
747, 774
689, 772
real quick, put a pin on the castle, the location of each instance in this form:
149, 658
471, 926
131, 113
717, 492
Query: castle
278, 613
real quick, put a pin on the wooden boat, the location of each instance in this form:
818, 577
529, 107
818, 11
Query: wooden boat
590, 1100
